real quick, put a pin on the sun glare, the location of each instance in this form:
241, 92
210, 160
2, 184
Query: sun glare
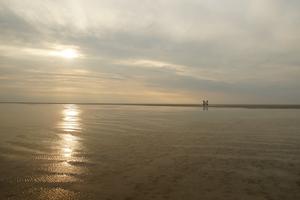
69, 53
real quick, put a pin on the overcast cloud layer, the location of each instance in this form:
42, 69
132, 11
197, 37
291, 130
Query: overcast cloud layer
175, 51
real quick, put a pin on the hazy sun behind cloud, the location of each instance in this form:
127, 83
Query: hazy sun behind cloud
66, 53
62, 51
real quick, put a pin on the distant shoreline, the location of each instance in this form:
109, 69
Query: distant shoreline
250, 106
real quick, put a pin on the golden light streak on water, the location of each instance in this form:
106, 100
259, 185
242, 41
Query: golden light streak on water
71, 126
71, 118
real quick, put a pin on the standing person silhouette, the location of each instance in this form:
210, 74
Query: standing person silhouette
205, 104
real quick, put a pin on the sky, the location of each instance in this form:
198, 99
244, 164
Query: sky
150, 51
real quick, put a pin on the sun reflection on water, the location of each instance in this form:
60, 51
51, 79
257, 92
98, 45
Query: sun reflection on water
71, 127
65, 154
71, 118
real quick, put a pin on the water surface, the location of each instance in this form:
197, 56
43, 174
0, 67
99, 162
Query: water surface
138, 152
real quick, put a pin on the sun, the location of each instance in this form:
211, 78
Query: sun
66, 52
69, 53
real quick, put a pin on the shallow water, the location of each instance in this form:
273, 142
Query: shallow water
139, 152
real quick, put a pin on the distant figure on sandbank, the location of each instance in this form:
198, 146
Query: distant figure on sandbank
205, 103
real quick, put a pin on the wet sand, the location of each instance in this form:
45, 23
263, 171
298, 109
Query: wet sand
137, 152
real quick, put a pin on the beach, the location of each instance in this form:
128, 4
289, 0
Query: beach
115, 152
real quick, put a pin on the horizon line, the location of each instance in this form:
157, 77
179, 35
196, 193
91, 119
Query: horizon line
218, 105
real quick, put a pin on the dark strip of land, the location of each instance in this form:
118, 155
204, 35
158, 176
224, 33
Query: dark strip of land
252, 106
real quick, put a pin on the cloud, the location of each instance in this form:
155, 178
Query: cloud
227, 50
